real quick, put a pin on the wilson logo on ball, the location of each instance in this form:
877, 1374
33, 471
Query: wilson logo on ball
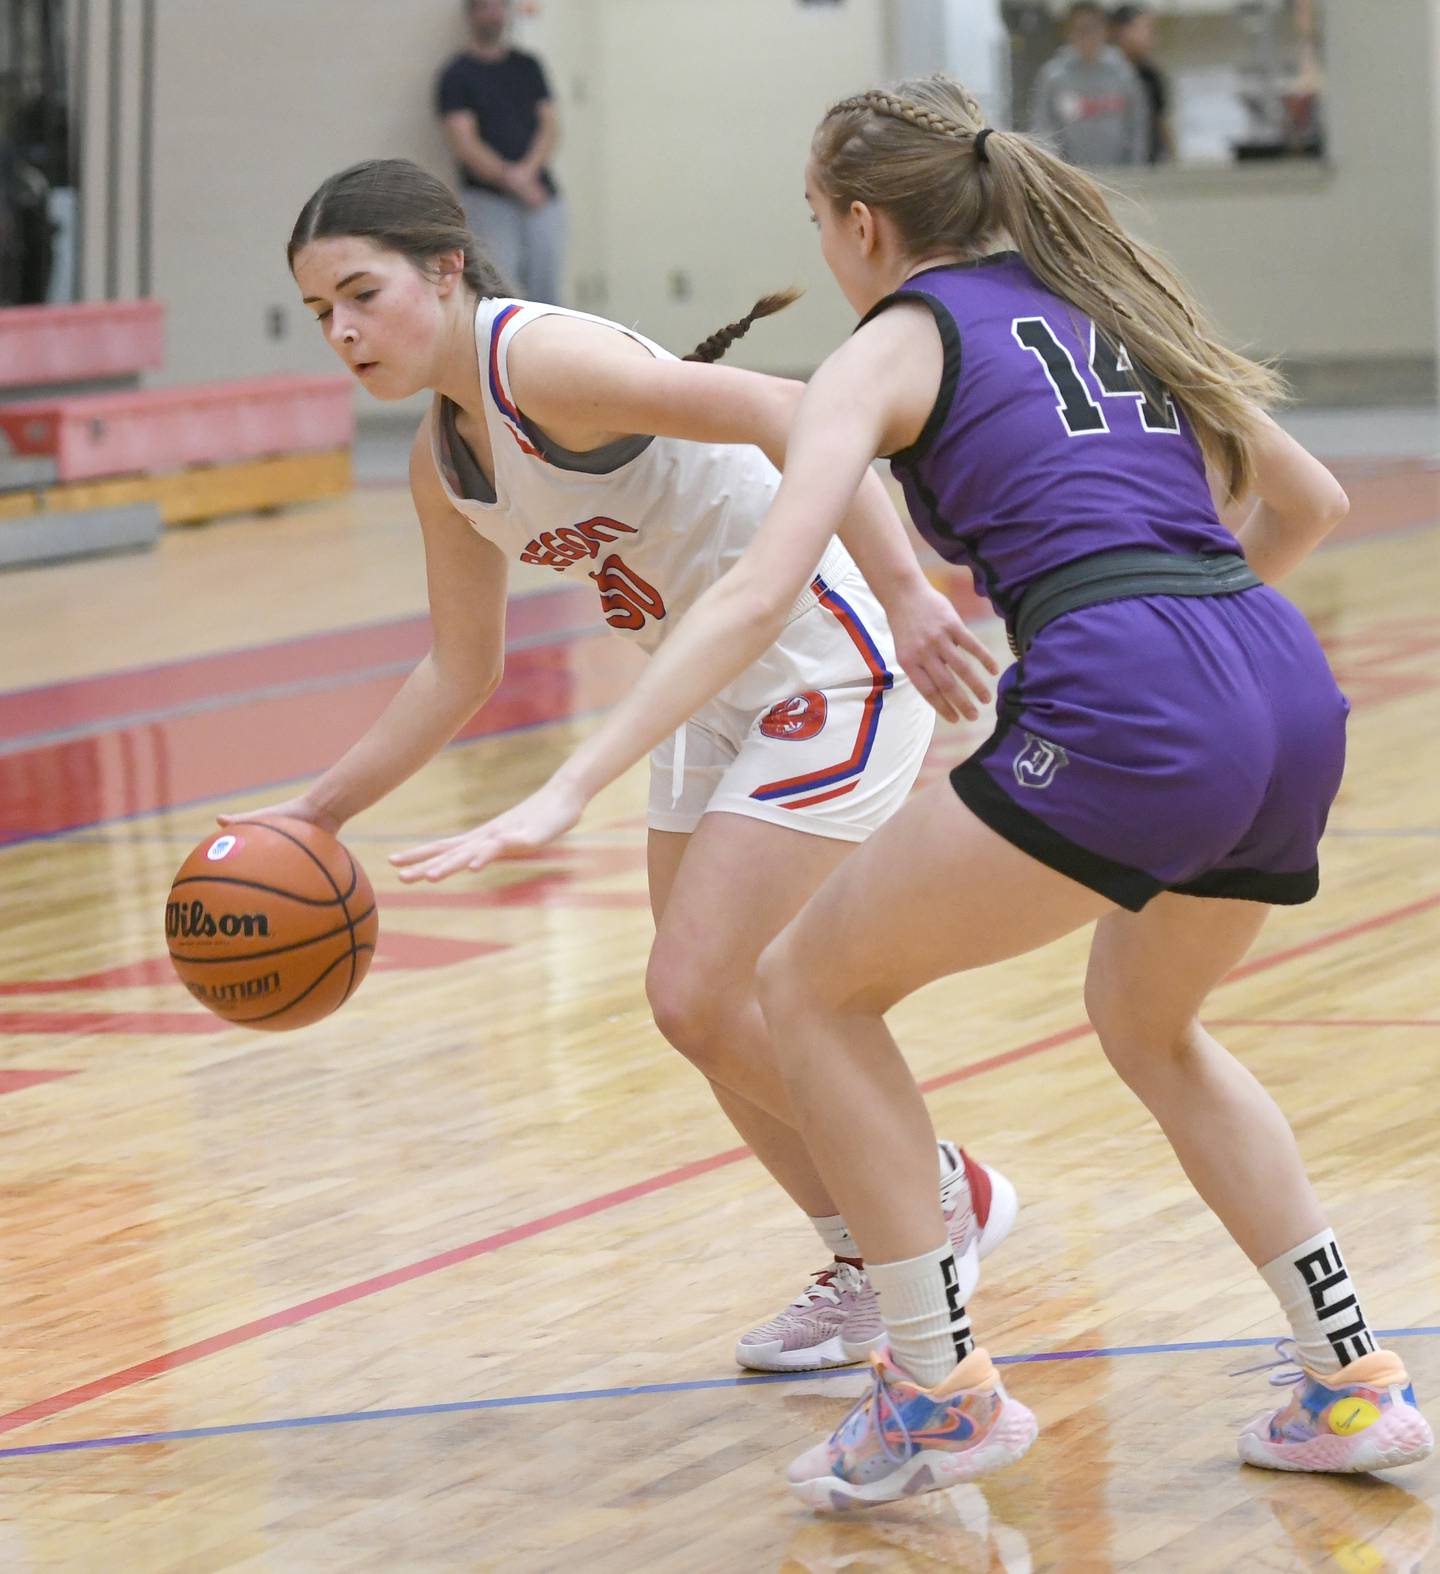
192, 921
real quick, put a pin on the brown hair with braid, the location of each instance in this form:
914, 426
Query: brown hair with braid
715, 346
910, 152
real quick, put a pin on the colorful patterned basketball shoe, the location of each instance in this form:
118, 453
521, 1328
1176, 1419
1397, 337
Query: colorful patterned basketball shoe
835, 1320
1362, 1417
901, 1439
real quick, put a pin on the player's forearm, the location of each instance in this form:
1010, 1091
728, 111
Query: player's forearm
741, 615
428, 711
1274, 543
728, 629
876, 539
871, 529
1299, 504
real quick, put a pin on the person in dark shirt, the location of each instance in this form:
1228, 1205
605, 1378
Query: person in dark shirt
1132, 31
500, 124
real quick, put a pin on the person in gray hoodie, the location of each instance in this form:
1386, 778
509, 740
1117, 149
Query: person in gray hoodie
1088, 101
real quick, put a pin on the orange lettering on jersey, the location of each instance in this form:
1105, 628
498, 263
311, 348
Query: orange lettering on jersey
558, 549
625, 598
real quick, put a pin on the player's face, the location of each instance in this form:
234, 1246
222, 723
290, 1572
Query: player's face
379, 313
840, 246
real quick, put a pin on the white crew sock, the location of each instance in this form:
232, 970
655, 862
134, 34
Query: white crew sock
1312, 1284
836, 1233
837, 1238
920, 1307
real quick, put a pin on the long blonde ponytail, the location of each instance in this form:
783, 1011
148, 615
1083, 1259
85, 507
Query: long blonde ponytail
910, 151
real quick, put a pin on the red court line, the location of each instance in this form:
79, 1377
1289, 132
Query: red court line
354, 1292
239, 671
1335, 936
100, 1387
147, 1022
14, 1081
218, 753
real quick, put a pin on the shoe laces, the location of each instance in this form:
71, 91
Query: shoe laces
830, 1283
877, 1402
1285, 1371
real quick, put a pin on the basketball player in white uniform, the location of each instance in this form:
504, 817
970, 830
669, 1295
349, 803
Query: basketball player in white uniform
559, 439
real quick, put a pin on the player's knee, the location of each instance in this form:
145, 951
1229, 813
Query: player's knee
686, 1005
1139, 1044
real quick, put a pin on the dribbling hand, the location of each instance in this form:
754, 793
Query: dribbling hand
944, 659
291, 809
530, 825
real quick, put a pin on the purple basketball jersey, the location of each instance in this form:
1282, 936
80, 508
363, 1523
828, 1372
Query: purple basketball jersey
1043, 445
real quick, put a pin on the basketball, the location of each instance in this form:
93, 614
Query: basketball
271, 924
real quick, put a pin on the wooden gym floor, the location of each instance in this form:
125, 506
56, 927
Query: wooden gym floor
451, 1281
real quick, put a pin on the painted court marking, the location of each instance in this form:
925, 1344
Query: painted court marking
638, 1391
186, 1355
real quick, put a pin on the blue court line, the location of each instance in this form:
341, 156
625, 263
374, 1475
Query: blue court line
642, 1390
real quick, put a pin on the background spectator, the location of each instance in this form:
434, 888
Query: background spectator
1132, 31
500, 124
1088, 102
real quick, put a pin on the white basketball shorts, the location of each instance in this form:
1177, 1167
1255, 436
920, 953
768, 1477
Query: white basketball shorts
824, 734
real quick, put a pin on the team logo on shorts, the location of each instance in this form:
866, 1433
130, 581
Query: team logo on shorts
1037, 763
795, 719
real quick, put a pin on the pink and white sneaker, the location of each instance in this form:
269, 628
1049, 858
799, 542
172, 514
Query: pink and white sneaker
902, 1439
835, 1320
806, 1336
1363, 1417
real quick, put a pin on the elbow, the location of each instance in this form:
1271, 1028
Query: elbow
1339, 506
486, 681
467, 684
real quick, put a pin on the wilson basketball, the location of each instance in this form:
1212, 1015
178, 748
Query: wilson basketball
271, 924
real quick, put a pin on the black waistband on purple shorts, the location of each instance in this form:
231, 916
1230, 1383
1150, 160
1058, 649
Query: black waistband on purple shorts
1121, 576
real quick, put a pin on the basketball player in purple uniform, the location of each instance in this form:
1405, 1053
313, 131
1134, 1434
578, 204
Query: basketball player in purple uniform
1167, 747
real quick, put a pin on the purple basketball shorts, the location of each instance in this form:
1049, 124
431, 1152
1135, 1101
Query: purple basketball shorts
1167, 743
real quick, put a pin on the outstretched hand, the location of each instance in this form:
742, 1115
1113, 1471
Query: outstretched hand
944, 659
531, 824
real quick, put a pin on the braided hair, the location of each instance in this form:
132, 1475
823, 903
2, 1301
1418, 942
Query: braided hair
910, 151
715, 346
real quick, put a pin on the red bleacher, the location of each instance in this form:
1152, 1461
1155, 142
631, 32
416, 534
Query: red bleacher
86, 470
81, 343
151, 430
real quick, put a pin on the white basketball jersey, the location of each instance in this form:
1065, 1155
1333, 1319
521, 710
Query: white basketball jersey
653, 533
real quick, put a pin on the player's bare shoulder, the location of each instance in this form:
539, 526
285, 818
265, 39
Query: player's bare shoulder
560, 370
